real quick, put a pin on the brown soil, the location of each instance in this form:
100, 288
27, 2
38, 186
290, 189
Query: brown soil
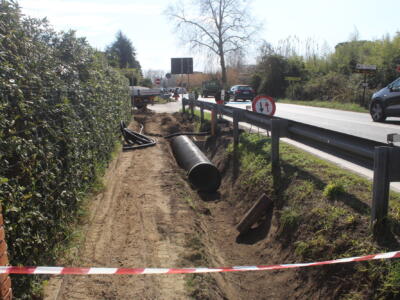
138, 221
149, 216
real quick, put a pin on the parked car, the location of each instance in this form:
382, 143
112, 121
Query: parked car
386, 102
241, 92
182, 90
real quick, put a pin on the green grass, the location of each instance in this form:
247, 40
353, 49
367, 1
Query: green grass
324, 211
327, 104
207, 114
333, 190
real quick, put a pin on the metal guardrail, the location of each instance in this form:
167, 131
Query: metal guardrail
384, 158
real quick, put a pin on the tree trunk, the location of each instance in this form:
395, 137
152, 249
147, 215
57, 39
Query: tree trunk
223, 70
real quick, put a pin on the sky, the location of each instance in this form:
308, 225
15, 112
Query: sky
326, 22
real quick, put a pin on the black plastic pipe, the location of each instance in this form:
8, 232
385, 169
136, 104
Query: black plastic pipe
202, 174
187, 133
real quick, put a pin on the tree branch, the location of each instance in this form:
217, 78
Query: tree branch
204, 45
197, 25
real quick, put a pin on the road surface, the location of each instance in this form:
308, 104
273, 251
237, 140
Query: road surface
353, 123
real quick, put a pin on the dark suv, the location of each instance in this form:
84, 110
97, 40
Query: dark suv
241, 92
386, 102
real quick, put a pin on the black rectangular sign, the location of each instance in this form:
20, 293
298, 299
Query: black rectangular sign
183, 65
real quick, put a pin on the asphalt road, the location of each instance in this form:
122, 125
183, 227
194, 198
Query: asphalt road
353, 123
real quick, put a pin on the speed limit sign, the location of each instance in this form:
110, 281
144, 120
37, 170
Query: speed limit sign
264, 105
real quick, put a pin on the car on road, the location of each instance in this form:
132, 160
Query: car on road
210, 88
386, 102
241, 92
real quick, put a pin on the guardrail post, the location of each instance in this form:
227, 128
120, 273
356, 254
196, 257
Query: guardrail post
236, 119
277, 128
183, 105
201, 115
192, 108
214, 121
381, 183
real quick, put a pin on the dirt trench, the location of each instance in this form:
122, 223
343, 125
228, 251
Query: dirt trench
138, 221
149, 216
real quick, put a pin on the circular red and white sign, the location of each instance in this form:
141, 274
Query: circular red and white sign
264, 105
157, 81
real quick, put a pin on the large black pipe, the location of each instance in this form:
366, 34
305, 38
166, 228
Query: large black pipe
201, 172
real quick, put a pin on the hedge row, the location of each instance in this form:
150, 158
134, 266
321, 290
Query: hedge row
60, 104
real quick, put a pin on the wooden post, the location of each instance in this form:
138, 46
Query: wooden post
236, 119
381, 183
254, 213
213, 121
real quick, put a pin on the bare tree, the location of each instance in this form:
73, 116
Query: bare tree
218, 26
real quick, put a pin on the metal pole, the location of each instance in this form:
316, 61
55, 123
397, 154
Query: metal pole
192, 108
381, 183
183, 106
363, 97
201, 115
275, 135
214, 121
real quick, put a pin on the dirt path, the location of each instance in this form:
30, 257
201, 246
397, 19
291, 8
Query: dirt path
133, 224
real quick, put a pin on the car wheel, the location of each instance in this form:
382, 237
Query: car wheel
377, 112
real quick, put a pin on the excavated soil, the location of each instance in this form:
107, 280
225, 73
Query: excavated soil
149, 216
138, 221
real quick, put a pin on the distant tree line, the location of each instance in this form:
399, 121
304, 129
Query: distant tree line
328, 77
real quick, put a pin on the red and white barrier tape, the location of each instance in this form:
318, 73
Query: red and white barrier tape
138, 271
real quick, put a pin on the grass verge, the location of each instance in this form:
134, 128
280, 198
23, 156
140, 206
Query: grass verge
327, 104
323, 213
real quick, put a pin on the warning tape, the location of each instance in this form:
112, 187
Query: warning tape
138, 271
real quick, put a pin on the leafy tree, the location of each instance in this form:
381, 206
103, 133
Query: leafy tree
217, 26
133, 75
122, 54
270, 76
147, 82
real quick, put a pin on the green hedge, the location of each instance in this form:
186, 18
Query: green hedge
60, 104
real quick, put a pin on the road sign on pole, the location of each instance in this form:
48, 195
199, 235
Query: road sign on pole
264, 105
157, 81
360, 68
182, 65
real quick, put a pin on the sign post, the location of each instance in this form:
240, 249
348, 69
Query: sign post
182, 65
365, 69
